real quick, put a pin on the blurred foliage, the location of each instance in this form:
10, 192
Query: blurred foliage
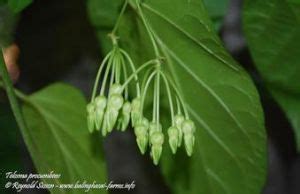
273, 32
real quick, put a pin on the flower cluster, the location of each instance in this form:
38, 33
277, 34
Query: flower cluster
112, 108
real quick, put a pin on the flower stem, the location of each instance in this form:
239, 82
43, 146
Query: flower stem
113, 72
149, 30
125, 76
145, 89
169, 96
106, 74
98, 75
138, 90
178, 105
119, 18
11, 95
118, 69
134, 74
180, 98
157, 95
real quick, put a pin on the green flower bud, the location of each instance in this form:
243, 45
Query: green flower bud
135, 111
188, 127
115, 101
141, 133
125, 115
111, 116
90, 108
115, 89
189, 141
157, 140
100, 104
173, 133
156, 153
143, 121
126, 108
142, 142
178, 119
153, 127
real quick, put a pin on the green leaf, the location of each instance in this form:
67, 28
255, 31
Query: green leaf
273, 32
230, 150
18, 5
58, 138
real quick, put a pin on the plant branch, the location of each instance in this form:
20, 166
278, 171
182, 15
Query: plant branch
11, 94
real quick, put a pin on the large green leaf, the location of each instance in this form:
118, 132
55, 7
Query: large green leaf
230, 150
58, 139
273, 32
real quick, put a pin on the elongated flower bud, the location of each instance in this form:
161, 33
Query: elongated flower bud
156, 153
178, 119
111, 117
135, 111
157, 140
141, 133
143, 121
115, 89
189, 141
90, 117
125, 115
153, 127
115, 101
173, 133
100, 104
188, 128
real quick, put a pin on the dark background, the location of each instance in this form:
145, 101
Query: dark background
57, 43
